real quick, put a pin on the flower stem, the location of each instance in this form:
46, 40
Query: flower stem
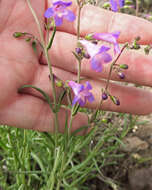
78, 36
107, 83
137, 7
49, 66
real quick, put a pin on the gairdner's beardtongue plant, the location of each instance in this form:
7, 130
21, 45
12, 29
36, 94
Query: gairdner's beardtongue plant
94, 47
59, 11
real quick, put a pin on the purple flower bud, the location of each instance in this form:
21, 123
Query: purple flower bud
121, 75
104, 96
86, 55
78, 50
95, 42
115, 100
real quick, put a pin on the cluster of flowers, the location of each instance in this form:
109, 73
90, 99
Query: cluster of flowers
97, 54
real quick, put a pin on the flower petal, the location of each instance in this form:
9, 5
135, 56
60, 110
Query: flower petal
121, 3
103, 49
88, 86
58, 20
69, 16
96, 63
106, 57
62, 3
116, 34
116, 49
91, 48
114, 5
77, 88
81, 102
49, 13
90, 97
75, 100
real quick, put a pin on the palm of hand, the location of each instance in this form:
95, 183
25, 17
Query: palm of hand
19, 64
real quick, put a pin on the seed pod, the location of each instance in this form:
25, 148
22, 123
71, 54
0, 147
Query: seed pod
123, 66
104, 96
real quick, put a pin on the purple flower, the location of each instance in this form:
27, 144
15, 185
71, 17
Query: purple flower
81, 93
98, 55
110, 38
116, 4
59, 11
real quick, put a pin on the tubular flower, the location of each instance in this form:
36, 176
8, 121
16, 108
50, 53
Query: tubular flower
110, 38
59, 11
98, 55
116, 4
81, 93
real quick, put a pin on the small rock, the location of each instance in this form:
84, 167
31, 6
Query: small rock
134, 144
141, 179
144, 131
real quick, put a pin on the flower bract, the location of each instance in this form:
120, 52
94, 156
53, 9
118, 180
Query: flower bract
81, 93
98, 55
116, 4
110, 38
59, 12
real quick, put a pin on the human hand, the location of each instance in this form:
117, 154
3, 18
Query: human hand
20, 66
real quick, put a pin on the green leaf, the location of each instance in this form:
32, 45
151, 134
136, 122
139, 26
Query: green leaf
18, 34
34, 46
75, 110
45, 95
51, 39
83, 128
60, 99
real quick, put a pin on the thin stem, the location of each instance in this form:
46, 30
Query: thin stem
37, 22
137, 7
108, 81
78, 23
78, 36
79, 71
48, 61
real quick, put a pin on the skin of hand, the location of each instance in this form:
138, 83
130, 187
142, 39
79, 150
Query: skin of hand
19, 65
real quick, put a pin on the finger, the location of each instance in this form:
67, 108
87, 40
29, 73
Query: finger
132, 100
140, 65
18, 17
95, 19
33, 113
